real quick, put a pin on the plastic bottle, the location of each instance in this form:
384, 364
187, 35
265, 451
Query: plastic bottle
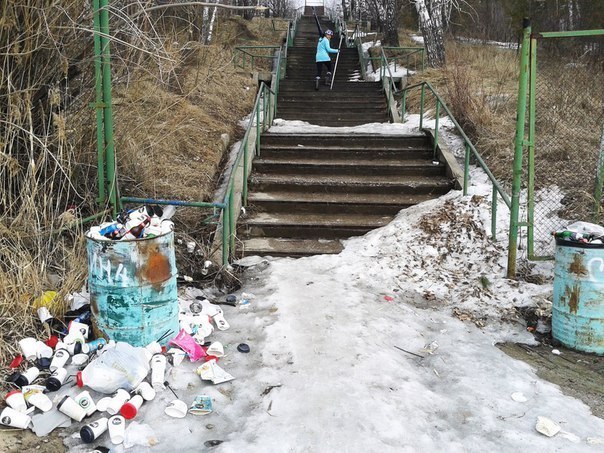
123, 366
168, 212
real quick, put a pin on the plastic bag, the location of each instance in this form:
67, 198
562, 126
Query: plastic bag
121, 367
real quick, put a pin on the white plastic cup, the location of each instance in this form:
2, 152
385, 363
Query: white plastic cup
72, 409
158, 369
14, 418
103, 403
56, 380
28, 347
16, 400
93, 430
145, 390
39, 400
80, 359
44, 314
59, 359
118, 400
130, 409
190, 247
86, 402
75, 327
117, 429
178, 355
176, 409
154, 347
43, 351
216, 349
28, 376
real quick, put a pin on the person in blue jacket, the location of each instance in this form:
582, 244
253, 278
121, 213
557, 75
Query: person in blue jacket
323, 58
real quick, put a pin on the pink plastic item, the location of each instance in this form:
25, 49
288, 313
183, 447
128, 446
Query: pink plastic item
186, 342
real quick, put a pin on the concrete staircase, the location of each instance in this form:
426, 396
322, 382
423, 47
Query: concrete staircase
310, 190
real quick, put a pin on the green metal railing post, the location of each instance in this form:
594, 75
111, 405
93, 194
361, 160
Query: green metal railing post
226, 222
466, 170
599, 181
530, 212
436, 119
494, 214
421, 107
232, 225
518, 148
108, 111
403, 106
99, 104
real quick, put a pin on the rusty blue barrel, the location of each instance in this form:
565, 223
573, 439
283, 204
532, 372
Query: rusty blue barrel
578, 305
132, 284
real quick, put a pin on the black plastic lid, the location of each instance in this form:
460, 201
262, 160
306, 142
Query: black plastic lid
231, 298
77, 348
243, 348
87, 434
53, 384
20, 380
43, 363
62, 402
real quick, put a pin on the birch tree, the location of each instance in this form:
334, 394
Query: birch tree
431, 14
386, 13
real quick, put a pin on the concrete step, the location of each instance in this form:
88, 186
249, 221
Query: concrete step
326, 118
347, 203
345, 153
354, 141
436, 185
328, 166
303, 226
330, 122
290, 247
332, 108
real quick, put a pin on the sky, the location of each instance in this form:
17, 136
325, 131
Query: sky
388, 346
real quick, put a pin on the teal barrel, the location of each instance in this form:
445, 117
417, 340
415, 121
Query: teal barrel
578, 306
132, 284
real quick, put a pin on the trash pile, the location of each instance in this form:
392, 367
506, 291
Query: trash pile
581, 232
71, 376
139, 223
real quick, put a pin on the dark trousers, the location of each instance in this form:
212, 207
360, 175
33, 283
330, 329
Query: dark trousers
320, 67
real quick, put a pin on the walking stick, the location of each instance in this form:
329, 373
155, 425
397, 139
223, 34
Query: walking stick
333, 76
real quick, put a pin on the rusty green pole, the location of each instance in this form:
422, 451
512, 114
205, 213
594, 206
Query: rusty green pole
107, 109
99, 105
518, 148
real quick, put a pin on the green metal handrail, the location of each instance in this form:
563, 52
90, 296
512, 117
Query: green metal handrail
263, 113
388, 86
243, 51
470, 149
413, 51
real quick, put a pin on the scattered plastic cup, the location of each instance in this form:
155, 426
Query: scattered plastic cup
158, 369
27, 377
38, 399
16, 400
28, 347
56, 380
86, 402
176, 409
216, 349
117, 429
130, 409
118, 400
93, 430
43, 351
145, 390
14, 418
59, 360
72, 409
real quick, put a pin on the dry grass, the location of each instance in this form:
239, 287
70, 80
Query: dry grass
173, 98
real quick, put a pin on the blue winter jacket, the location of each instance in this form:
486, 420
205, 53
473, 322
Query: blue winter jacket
324, 49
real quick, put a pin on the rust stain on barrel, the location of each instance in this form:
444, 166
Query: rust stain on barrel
573, 295
157, 267
577, 267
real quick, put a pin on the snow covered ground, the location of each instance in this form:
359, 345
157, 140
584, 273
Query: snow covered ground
387, 347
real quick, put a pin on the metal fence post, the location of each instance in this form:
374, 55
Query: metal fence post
518, 148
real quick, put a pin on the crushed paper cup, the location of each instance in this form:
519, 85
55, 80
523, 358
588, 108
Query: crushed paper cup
216, 349
210, 371
547, 427
178, 356
186, 342
176, 409
202, 405
16, 400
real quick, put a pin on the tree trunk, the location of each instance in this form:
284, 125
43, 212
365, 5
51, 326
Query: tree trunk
391, 24
431, 24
